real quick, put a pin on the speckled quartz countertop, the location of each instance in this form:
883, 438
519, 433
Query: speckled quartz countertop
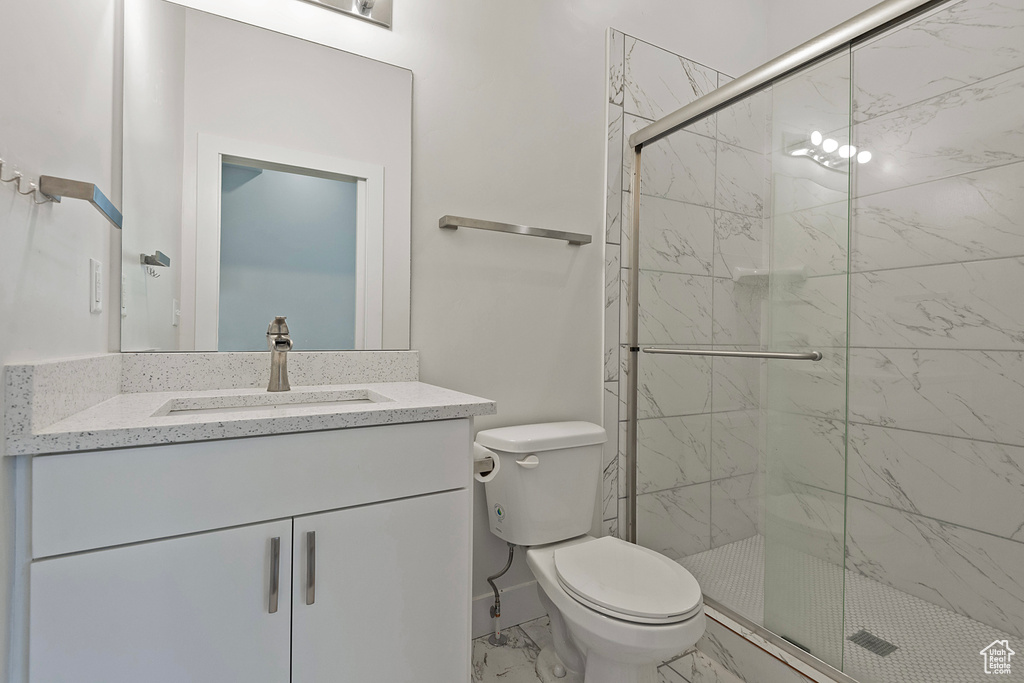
136, 419
44, 415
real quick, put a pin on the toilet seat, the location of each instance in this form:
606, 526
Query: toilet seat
627, 581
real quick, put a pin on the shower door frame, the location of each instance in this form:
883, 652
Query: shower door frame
863, 26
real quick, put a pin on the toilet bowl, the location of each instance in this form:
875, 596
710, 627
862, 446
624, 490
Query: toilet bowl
617, 610
622, 609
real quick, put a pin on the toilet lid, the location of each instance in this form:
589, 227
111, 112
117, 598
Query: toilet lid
627, 581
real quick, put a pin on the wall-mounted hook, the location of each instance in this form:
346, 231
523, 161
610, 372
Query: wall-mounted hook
19, 180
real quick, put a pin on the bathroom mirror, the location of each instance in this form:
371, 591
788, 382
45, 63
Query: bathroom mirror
263, 175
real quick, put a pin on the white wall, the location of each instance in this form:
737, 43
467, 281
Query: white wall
793, 22
154, 124
58, 116
509, 124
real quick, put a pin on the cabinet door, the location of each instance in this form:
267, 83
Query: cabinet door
193, 609
391, 596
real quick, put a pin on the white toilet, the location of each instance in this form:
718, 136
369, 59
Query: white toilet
617, 610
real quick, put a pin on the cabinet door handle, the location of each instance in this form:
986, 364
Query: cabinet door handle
310, 567
275, 572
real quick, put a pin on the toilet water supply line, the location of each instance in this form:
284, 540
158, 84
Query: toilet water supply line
498, 638
486, 465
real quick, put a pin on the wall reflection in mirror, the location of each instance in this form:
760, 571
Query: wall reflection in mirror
274, 175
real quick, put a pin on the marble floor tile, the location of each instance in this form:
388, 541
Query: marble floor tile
539, 631
511, 663
697, 667
666, 674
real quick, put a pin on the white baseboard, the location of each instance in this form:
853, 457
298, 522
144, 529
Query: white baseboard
518, 604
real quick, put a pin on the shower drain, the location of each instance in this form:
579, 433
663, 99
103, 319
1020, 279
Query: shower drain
873, 643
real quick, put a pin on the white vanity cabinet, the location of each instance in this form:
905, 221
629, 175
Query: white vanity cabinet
185, 609
156, 564
384, 615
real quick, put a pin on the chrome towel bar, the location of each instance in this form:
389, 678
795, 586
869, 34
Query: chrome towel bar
56, 188
456, 222
780, 355
159, 259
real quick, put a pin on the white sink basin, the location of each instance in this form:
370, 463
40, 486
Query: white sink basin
264, 401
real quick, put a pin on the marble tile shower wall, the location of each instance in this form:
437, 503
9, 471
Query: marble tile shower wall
702, 208
934, 502
936, 440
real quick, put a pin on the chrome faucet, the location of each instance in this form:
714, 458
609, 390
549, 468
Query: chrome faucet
279, 344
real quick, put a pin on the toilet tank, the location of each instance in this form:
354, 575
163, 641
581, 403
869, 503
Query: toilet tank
546, 488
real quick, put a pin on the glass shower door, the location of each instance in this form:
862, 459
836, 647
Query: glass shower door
804, 408
743, 246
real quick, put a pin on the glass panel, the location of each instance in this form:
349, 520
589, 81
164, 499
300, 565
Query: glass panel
867, 507
674, 392
743, 247
805, 402
936, 477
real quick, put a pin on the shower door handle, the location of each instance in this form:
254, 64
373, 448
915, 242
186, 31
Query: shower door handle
778, 355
